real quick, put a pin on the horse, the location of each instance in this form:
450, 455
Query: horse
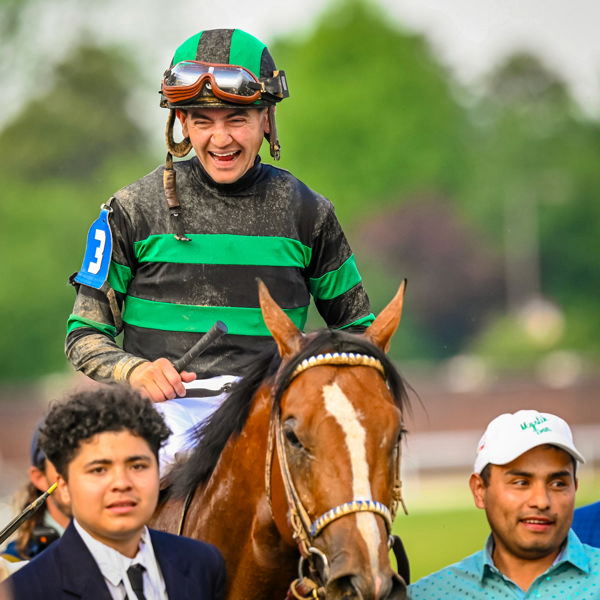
296, 476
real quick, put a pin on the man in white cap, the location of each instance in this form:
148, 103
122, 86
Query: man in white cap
525, 478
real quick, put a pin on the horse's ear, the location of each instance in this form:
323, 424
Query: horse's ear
382, 329
288, 337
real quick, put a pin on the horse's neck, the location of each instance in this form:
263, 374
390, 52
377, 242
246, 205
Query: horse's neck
236, 489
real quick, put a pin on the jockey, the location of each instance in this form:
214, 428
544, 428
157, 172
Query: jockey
182, 248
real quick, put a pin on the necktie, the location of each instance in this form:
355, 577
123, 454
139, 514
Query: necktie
135, 574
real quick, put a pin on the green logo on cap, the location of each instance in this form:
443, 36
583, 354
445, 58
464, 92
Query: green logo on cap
535, 425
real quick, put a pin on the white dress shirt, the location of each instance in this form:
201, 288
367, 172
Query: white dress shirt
113, 565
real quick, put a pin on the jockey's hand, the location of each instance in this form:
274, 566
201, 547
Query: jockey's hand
159, 380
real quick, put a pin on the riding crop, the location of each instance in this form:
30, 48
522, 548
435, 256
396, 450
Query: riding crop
212, 335
28, 512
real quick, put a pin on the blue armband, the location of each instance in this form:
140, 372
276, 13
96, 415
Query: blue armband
98, 252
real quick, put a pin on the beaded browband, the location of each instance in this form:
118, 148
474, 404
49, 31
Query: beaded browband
338, 358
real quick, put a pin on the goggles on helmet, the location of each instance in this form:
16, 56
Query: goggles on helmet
185, 80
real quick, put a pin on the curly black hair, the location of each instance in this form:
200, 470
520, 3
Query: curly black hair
84, 413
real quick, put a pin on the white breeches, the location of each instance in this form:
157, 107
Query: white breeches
182, 415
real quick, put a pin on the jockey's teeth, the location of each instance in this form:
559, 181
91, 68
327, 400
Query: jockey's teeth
224, 156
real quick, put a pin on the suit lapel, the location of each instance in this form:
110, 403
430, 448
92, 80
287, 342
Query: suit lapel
174, 566
81, 576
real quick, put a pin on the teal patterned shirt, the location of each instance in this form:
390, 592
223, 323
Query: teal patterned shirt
575, 575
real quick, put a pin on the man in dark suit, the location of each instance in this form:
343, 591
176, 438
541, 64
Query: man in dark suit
104, 444
586, 524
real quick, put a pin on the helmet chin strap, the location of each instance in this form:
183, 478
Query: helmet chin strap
274, 145
179, 149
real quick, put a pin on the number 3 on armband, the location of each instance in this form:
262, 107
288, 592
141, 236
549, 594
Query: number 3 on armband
94, 266
96, 261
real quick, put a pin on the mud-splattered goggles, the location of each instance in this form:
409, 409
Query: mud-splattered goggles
186, 80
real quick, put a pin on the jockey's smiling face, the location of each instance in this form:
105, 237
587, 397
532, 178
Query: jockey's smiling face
226, 140
113, 488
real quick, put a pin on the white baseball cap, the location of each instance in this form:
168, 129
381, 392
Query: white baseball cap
510, 435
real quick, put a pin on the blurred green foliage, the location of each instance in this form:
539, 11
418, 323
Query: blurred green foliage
483, 200
60, 158
79, 123
371, 116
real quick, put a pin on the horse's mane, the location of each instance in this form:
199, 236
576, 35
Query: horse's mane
229, 419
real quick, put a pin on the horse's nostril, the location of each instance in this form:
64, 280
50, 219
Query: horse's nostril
397, 589
392, 588
352, 587
343, 588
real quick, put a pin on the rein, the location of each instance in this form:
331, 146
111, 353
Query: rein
304, 530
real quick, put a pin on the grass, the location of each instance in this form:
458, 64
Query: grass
444, 526
433, 540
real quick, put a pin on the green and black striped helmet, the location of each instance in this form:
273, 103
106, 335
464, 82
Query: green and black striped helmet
222, 68
227, 48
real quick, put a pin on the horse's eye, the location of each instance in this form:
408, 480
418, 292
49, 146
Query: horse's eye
401, 434
292, 438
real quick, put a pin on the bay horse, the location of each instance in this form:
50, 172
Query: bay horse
296, 476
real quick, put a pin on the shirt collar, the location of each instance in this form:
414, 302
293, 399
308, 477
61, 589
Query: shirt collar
113, 564
572, 552
248, 179
487, 562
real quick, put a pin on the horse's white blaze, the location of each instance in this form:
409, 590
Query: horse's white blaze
338, 405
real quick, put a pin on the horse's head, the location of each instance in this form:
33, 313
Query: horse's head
337, 426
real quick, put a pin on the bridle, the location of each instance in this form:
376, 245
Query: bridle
305, 530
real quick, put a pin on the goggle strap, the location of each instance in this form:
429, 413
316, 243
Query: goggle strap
275, 86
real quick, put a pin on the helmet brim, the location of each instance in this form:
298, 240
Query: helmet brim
212, 103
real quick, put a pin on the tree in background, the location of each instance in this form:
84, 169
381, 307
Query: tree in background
455, 280
81, 122
60, 158
533, 191
372, 116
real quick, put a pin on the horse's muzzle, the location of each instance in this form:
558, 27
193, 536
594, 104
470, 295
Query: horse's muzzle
354, 587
